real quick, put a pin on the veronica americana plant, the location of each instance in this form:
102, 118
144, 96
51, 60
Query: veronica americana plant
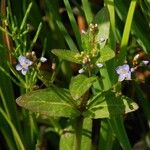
90, 96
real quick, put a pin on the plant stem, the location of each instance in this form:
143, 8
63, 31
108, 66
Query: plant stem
78, 133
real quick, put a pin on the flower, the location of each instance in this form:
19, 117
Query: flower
23, 64
145, 62
43, 59
124, 72
99, 65
133, 69
81, 70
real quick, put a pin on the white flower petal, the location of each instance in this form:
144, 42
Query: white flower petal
24, 71
18, 67
126, 67
81, 70
132, 69
121, 78
128, 76
145, 62
29, 62
43, 59
21, 59
119, 69
99, 65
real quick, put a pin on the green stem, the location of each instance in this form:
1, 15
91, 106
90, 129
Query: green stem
78, 133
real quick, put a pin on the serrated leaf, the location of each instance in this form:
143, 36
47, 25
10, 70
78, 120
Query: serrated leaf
107, 104
68, 55
51, 101
79, 85
106, 54
102, 20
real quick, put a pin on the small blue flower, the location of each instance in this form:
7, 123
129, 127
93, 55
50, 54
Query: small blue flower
23, 64
124, 72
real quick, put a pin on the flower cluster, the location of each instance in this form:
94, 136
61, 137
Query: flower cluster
89, 61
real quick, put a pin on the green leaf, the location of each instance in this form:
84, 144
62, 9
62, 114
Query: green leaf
108, 104
51, 101
102, 20
68, 55
106, 54
80, 84
86, 39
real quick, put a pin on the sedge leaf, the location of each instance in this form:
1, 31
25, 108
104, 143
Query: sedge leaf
51, 101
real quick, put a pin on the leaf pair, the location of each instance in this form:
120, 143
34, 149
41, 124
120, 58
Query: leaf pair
60, 102
105, 54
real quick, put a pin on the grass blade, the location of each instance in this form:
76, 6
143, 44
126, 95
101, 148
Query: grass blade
67, 37
14, 131
73, 22
118, 127
26, 16
126, 32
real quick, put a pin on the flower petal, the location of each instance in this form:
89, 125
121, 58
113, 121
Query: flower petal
99, 65
128, 76
43, 59
132, 69
145, 62
126, 67
81, 70
28, 62
24, 71
18, 67
119, 69
21, 59
121, 77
